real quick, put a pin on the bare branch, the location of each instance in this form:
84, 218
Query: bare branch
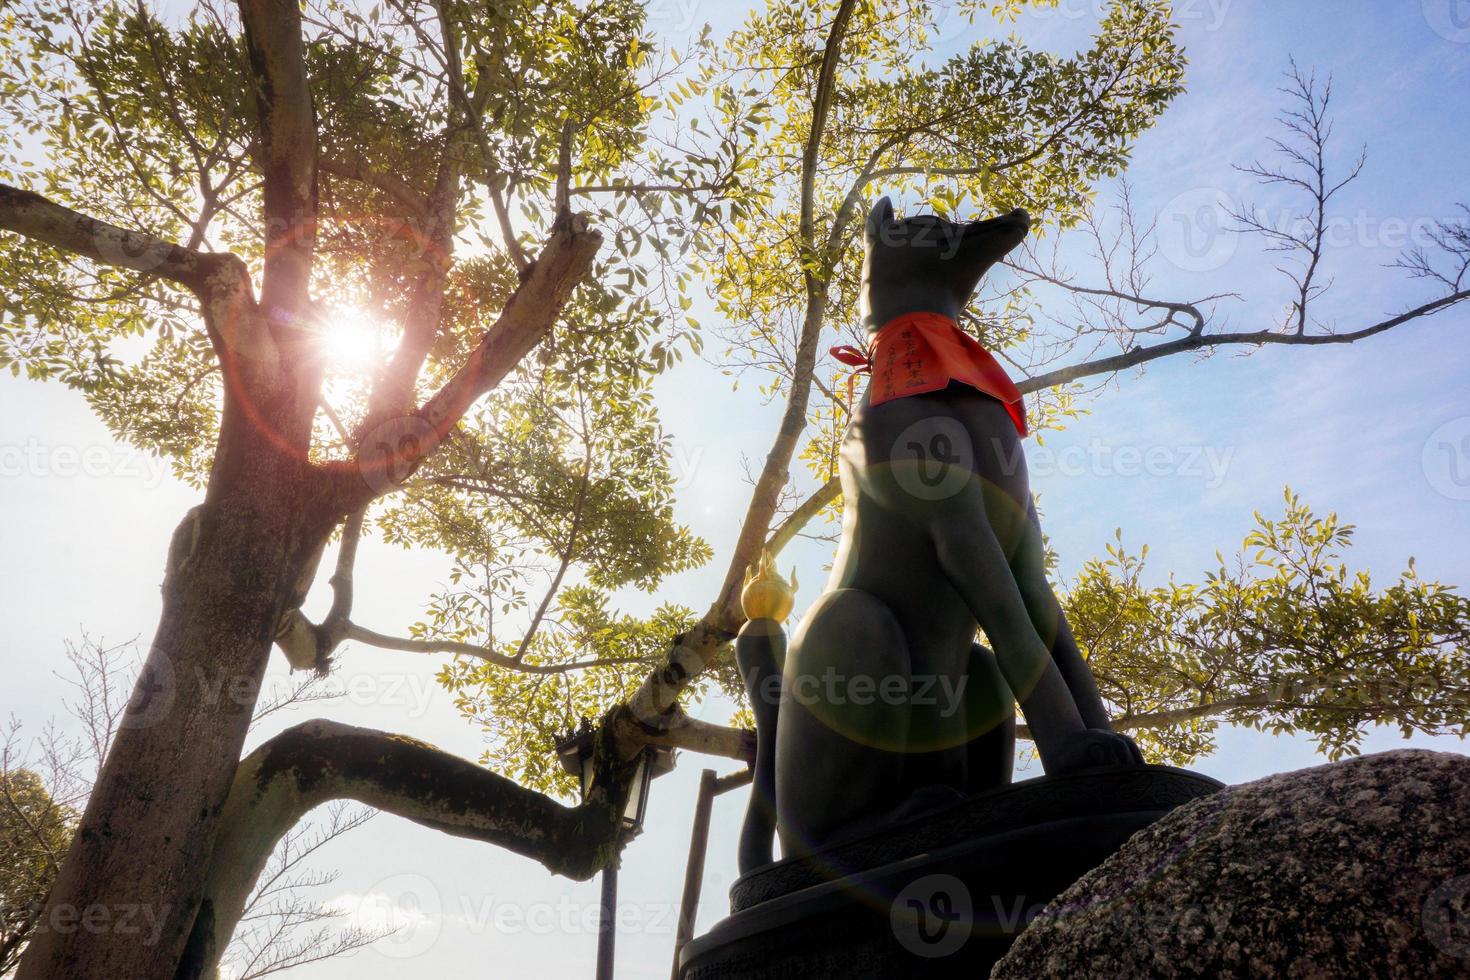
354, 167
1194, 341
384, 642
1142, 355
808, 509
305, 692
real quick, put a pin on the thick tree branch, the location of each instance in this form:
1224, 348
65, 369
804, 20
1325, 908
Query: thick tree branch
353, 167
319, 761
391, 452
683, 732
531, 312
39, 219
287, 152
660, 690
219, 280
394, 389
821, 106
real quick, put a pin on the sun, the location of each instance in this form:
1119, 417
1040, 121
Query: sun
352, 341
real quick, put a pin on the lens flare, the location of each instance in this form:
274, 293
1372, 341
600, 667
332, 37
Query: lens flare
352, 342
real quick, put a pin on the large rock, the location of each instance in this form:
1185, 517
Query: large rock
1355, 869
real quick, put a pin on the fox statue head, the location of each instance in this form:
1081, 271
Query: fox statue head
928, 264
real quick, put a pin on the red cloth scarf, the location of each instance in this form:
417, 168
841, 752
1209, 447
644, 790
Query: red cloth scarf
919, 352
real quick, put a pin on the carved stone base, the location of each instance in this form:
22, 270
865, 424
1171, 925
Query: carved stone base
941, 895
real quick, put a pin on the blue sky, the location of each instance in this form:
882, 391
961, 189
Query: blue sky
1370, 431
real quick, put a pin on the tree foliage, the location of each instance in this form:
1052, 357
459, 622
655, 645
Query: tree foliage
562, 477
1285, 638
34, 833
993, 126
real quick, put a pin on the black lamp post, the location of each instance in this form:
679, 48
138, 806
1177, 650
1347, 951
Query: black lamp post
575, 753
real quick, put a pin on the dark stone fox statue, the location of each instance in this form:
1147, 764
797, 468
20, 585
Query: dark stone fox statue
885, 705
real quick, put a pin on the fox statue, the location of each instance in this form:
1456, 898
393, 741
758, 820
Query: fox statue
885, 706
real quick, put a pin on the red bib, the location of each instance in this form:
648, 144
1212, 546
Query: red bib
920, 352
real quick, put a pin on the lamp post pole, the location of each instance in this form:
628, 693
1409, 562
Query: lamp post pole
575, 752
607, 923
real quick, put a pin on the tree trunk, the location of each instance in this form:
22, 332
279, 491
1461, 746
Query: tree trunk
131, 883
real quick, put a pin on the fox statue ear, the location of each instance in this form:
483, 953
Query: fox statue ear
879, 218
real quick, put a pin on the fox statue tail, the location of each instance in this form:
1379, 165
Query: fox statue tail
760, 650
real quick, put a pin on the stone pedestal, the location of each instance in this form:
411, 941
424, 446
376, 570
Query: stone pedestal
941, 895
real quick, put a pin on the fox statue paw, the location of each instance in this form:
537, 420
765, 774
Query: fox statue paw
1092, 748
